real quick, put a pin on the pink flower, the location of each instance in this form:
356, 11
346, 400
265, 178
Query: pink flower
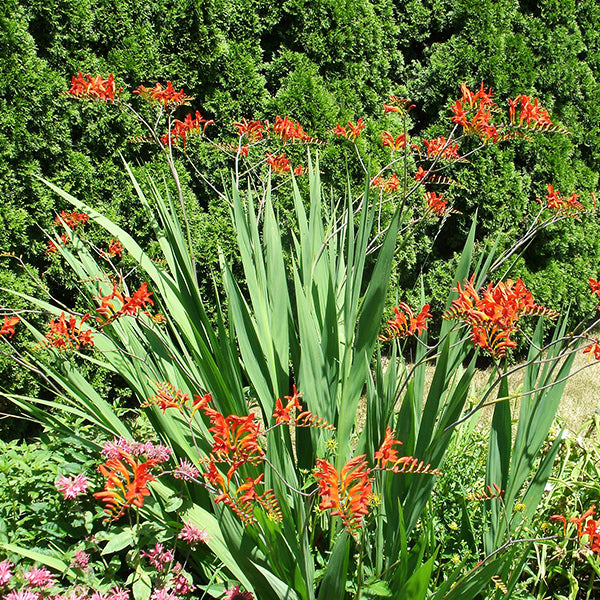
71, 487
22, 595
233, 593
186, 471
5, 572
192, 534
41, 578
181, 585
158, 557
116, 448
117, 593
98, 596
163, 594
80, 560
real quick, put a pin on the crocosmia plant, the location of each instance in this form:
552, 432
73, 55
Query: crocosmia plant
285, 446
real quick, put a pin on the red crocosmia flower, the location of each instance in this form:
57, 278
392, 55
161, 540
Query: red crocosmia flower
353, 131
436, 203
115, 248
71, 220
8, 327
339, 130
168, 397
286, 129
593, 349
387, 108
394, 143
494, 314
569, 206
253, 130
347, 493
421, 174
96, 88
529, 112
405, 323
387, 453
299, 171
480, 124
200, 402
460, 115
279, 164
282, 414
66, 334
126, 483
181, 129
392, 184
580, 521
594, 287
129, 305
441, 147
167, 96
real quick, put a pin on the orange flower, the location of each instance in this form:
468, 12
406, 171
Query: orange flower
352, 132
180, 129
493, 315
562, 204
282, 414
594, 287
480, 124
96, 88
405, 323
251, 129
279, 164
71, 220
8, 327
168, 397
529, 112
441, 147
126, 483
68, 334
347, 493
386, 453
115, 248
286, 129
593, 349
129, 305
436, 203
395, 143
166, 96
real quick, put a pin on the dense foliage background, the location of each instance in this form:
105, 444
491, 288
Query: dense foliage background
320, 62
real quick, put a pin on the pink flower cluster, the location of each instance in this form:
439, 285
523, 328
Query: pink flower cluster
72, 486
159, 557
152, 451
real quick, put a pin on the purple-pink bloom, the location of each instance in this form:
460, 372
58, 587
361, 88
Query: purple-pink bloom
5, 572
117, 593
80, 560
39, 577
234, 593
98, 596
186, 471
181, 585
71, 487
155, 451
163, 594
192, 534
116, 448
158, 556
23, 595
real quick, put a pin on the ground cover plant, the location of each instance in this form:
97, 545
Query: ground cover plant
248, 473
